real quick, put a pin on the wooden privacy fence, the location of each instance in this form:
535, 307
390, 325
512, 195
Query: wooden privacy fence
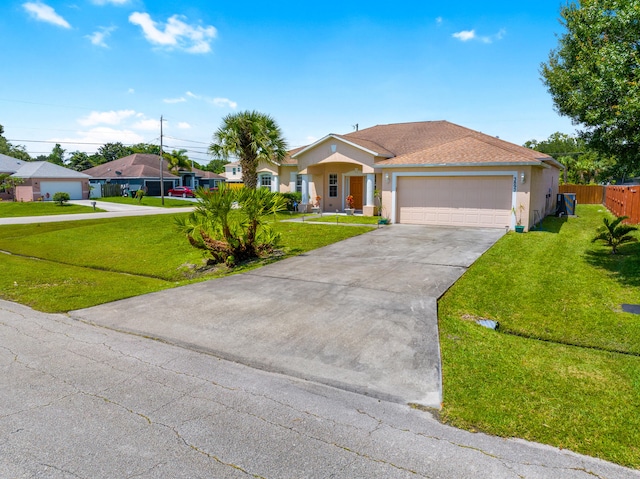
620, 200
585, 194
624, 201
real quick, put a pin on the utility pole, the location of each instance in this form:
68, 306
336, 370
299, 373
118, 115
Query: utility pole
161, 165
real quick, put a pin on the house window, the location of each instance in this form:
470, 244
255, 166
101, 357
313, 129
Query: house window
234, 171
299, 183
333, 185
265, 181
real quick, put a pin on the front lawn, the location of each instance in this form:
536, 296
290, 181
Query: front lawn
563, 368
56, 267
13, 209
148, 201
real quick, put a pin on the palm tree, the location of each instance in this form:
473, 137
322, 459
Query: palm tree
177, 160
252, 137
613, 233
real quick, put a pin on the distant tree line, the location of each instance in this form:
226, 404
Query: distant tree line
79, 160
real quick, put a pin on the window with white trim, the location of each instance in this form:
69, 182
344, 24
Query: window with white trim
265, 181
299, 183
333, 185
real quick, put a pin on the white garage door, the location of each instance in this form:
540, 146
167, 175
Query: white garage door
74, 188
482, 201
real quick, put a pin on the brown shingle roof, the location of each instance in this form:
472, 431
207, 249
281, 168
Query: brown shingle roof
439, 143
138, 165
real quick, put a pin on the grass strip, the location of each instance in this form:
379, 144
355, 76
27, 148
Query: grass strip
549, 290
14, 209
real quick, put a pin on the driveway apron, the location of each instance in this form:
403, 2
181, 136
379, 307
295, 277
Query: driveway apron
359, 315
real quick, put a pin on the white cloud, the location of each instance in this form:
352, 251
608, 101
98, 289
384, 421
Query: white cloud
219, 102
183, 125
147, 125
439, 20
465, 35
175, 100
106, 117
98, 38
44, 13
131, 91
224, 102
175, 33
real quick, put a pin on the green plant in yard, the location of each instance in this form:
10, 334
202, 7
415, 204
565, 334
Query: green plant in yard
614, 233
229, 224
140, 194
61, 197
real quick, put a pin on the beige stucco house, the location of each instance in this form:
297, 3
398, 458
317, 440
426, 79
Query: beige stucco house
431, 172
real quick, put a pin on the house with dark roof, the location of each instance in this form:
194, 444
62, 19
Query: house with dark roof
142, 170
40, 180
432, 172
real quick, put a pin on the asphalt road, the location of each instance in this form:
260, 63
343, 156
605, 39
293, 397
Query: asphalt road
81, 401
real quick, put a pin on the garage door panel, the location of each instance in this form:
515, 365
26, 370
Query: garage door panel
456, 201
50, 188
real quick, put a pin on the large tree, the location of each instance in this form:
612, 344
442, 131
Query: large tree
57, 155
14, 151
582, 164
252, 137
594, 75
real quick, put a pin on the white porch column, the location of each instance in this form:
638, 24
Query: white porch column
305, 189
275, 183
371, 181
293, 177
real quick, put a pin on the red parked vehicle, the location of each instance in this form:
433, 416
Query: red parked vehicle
181, 191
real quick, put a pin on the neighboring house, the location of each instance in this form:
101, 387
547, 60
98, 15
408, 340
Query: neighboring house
233, 172
432, 172
142, 170
42, 179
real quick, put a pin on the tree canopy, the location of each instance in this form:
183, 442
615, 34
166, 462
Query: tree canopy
7, 148
252, 137
594, 75
582, 164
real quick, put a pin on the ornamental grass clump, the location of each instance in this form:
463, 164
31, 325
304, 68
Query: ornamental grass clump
230, 224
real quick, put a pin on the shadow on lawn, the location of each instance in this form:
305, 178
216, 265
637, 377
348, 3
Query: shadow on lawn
552, 224
624, 266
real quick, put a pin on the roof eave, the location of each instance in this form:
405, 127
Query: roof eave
466, 165
350, 143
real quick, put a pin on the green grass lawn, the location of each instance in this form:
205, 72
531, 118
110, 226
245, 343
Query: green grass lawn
13, 209
331, 218
56, 267
563, 368
148, 201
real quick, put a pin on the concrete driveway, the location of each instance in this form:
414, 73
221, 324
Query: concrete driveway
360, 315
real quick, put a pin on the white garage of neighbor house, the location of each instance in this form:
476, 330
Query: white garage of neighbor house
432, 172
42, 179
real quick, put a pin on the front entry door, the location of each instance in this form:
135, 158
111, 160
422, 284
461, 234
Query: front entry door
355, 189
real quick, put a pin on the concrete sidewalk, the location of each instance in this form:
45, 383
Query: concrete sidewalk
360, 315
111, 210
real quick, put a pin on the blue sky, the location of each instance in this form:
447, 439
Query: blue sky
95, 71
